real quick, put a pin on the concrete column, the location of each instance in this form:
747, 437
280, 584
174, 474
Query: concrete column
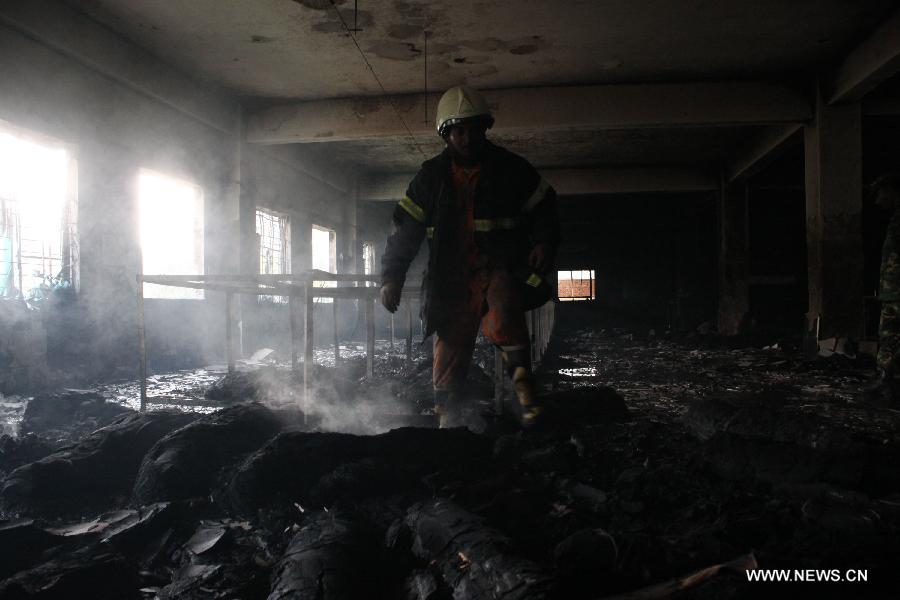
833, 148
230, 216
734, 267
249, 251
351, 218
109, 251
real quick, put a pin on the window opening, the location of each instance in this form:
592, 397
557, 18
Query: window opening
37, 186
171, 231
577, 285
369, 261
324, 256
273, 233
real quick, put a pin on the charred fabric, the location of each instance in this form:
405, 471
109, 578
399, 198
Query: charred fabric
725, 458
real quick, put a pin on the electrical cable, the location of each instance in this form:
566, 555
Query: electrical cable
425, 51
377, 80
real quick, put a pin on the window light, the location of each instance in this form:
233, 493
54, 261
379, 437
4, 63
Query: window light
171, 232
577, 285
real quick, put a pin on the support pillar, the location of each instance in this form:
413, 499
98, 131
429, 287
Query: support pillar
734, 257
833, 156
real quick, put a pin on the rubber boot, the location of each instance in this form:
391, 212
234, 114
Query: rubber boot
882, 391
523, 385
447, 408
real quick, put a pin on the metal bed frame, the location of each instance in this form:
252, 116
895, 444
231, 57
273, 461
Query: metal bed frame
300, 290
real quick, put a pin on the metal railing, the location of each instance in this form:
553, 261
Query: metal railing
301, 292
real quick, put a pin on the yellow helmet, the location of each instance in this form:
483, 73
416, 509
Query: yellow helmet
461, 104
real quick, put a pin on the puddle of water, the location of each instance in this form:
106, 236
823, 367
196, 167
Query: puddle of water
11, 410
580, 372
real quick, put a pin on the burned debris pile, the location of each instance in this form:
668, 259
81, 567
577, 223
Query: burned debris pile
97, 472
186, 463
68, 416
616, 494
783, 441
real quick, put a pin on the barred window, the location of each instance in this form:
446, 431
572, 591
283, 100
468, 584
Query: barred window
369, 261
273, 231
577, 285
324, 255
37, 189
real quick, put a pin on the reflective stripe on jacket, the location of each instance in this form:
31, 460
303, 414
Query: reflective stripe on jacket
515, 209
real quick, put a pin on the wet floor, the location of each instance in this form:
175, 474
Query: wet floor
654, 375
663, 376
722, 452
186, 389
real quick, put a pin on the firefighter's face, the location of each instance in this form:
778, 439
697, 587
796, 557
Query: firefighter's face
467, 139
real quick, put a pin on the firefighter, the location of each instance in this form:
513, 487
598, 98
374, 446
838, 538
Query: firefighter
492, 230
886, 388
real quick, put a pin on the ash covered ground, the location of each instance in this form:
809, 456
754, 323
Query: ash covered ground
666, 468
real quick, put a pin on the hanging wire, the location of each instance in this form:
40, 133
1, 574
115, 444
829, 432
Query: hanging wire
426, 76
377, 80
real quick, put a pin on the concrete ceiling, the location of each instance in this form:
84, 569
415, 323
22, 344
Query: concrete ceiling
296, 53
298, 49
695, 146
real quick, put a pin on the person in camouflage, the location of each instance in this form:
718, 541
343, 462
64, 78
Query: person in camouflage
887, 386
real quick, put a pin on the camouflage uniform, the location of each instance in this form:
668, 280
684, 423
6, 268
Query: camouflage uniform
889, 294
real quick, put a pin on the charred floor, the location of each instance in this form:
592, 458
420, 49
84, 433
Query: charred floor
666, 467
243, 243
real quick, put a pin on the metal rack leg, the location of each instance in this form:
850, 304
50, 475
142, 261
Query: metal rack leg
142, 343
409, 333
337, 343
292, 317
370, 337
308, 343
229, 330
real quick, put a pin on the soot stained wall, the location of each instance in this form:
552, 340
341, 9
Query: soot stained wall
275, 178
112, 131
654, 257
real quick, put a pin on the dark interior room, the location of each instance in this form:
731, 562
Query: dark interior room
418, 300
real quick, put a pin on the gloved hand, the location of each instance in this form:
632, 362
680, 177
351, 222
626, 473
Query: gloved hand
541, 258
390, 296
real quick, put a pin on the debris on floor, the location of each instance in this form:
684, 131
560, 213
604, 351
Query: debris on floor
663, 469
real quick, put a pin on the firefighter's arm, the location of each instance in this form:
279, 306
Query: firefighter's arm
541, 258
542, 221
408, 231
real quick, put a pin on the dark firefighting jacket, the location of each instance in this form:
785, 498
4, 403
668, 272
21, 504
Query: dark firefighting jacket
514, 210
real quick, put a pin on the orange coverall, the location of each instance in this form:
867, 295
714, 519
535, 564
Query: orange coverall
489, 297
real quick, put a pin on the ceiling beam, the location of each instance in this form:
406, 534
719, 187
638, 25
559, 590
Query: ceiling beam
629, 180
762, 151
576, 182
874, 60
593, 108
384, 186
